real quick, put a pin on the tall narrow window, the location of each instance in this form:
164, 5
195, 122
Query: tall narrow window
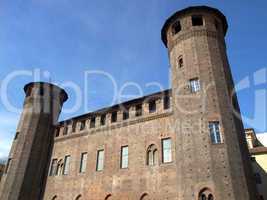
214, 128
57, 132
114, 117
138, 110
152, 157
125, 114
194, 85
16, 136
53, 168
92, 122
176, 27
197, 20
152, 106
166, 102
180, 62
83, 162
103, 119
65, 130
83, 123
8, 165
167, 150
66, 166
74, 126
124, 157
100, 160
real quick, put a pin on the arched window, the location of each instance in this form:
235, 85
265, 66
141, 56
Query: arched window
205, 194
108, 197
79, 197
144, 197
54, 197
152, 155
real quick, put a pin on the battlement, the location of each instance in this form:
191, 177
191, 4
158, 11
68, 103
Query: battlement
134, 111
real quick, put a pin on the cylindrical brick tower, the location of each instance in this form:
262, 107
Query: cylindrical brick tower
28, 161
212, 156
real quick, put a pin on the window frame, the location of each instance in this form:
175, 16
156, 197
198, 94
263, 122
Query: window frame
66, 165
194, 85
152, 106
93, 122
163, 151
98, 169
114, 117
122, 156
83, 162
215, 131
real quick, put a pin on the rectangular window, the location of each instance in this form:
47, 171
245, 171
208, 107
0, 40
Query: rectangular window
194, 85
102, 120
124, 157
166, 102
125, 114
53, 168
57, 132
138, 110
83, 162
100, 160
65, 130
66, 166
167, 150
214, 128
8, 165
152, 106
73, 127
83, 123
92, 122
113, 117
197, 20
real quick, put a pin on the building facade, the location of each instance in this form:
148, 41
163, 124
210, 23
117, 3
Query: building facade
180, 144
258, 154
2, 168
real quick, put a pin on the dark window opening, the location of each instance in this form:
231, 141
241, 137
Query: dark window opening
166, 102
57, 132
65, 131
29, 92
138, 110
125, 114
103, 120
74, 126
7, 165
180, 62
92, 122
16, 136
152, 106
197, 20
176, 27
82, 127
114, 117
41, 91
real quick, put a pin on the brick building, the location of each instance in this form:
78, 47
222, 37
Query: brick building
180, 144
2, 168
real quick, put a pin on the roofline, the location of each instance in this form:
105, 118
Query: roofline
114, 107
171, 19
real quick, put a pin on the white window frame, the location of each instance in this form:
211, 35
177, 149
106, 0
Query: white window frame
194, 85
66, 167
83, 162
215, 132
124, 157
166, 150
100, 160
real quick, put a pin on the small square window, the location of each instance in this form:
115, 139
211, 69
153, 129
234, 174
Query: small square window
138, 110
92, 122
197, 20
103, 120
194, 85
176, 27
152, 106
125, 114
113, 117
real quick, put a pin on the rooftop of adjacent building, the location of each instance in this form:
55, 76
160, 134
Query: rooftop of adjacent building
257, 143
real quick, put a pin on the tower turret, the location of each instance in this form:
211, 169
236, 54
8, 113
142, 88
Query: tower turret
28, 161
213, 160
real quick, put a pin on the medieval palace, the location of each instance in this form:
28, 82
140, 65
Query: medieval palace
186, 143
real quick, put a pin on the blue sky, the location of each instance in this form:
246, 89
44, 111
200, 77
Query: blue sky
66, 38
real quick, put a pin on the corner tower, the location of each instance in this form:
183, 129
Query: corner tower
25, 173
212, 156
